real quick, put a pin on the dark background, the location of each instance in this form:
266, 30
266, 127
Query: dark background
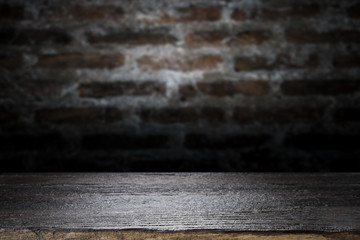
165, 85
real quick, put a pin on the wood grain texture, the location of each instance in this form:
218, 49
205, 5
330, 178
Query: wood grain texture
314, 203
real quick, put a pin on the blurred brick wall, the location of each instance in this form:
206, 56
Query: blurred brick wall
167, 85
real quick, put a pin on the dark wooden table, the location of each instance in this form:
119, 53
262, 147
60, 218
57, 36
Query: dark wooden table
180, 206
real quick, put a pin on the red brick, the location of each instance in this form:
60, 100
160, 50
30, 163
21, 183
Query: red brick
307, 10
239, 15
323, 141
354, 11
245, 115
13, 12
34, 36
272, 14
11, 62
347, 62
230, 88
209, 38
282, 61
202, 141
132, 38
109, 89
7, 116
212, 114
81, 61
42, 141
334, 36
347, 114
251, 37
123, 141
78, 115
186, 63
171, 115
88, 12
320, 87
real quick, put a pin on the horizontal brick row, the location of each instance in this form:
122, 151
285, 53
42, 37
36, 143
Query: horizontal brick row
102, 89
13, 36
195, 39
281, 62
180, 14
225, 88
73, 60
223, 38
131, 38
332, 37
107, 12
247, 115
272, 14
320, 87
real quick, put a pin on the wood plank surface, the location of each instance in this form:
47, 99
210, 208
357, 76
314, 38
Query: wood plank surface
226, 202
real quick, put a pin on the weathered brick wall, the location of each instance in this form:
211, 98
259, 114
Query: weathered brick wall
225, 85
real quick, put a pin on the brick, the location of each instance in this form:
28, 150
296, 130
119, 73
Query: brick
230, 88
186, 63
117, 141
7, 116
251, 38
13, 12
272, 14
11, 62
347, 114
274, 115
81, 61
354, 11
347, 61
170, 115
203, 141
43, 141
323, 141
320, 87
282, 61
307, 10
213, 114
239, 15
132, 38
78, 115
310, 36
209, 38
34, 36
109, 89
88, 12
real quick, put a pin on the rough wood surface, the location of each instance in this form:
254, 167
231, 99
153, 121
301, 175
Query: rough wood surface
324, 203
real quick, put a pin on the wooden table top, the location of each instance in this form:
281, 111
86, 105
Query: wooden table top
211, 202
